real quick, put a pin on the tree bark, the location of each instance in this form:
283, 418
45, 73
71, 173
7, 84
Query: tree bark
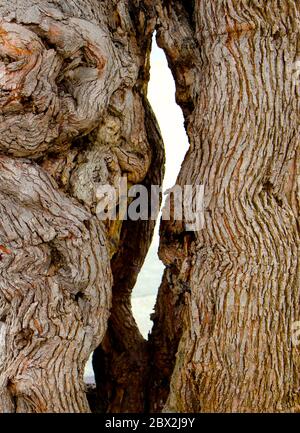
230, 298
74, 115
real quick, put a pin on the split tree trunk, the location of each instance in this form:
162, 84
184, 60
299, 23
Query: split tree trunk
74, 115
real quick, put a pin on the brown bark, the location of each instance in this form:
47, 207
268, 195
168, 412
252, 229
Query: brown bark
74, 115
239, 278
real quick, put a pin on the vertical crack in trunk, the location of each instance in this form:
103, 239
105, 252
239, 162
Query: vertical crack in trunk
73, 116
121, 363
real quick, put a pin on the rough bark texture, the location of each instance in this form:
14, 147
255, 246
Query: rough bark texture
237, 284
74, 115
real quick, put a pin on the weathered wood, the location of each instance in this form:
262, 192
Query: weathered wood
55, 292
237, 283
72, 102
73, 116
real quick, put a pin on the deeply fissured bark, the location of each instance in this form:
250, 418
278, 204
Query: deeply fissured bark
237, 283
73, 116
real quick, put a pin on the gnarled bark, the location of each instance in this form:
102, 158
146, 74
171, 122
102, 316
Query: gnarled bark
55, 292
73, 116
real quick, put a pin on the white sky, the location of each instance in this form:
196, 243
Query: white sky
161, 94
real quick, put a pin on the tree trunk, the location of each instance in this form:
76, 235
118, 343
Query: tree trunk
231, 296
74, 115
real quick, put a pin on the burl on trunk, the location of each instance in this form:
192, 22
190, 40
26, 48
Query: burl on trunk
73, 115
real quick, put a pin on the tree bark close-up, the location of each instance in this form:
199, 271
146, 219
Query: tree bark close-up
75, 116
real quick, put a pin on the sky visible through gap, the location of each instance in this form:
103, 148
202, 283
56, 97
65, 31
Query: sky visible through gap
161, 94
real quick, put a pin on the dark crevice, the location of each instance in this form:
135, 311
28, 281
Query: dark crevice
79, 295
57, 259
133, 375
189, 6
121, 362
